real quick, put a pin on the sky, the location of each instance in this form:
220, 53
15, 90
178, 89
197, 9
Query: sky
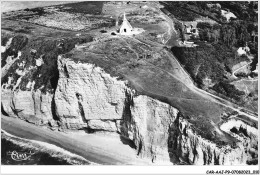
17, 5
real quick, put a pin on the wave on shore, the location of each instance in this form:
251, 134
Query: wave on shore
54, 153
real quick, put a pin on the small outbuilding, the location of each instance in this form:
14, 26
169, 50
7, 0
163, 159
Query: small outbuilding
243, 50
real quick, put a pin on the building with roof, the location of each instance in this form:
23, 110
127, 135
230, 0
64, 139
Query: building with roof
243, 50
127, 29
227, 14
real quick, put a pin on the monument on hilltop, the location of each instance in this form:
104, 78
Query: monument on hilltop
126, 27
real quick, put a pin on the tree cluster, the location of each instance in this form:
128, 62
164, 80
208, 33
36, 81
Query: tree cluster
235, 34
228, 90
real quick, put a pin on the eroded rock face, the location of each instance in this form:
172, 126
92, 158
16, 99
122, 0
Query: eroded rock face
148, 126
193, 149
6, 102
111, 126
246, 134
33, 106
87, 92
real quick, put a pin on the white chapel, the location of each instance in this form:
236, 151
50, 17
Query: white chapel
127, 29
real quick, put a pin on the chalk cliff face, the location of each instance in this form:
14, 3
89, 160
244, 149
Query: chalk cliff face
32, 106
246, 134
88, 98
86, 92
148, 126
193, 149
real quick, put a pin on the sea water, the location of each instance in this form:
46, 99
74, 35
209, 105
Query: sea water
35, 153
